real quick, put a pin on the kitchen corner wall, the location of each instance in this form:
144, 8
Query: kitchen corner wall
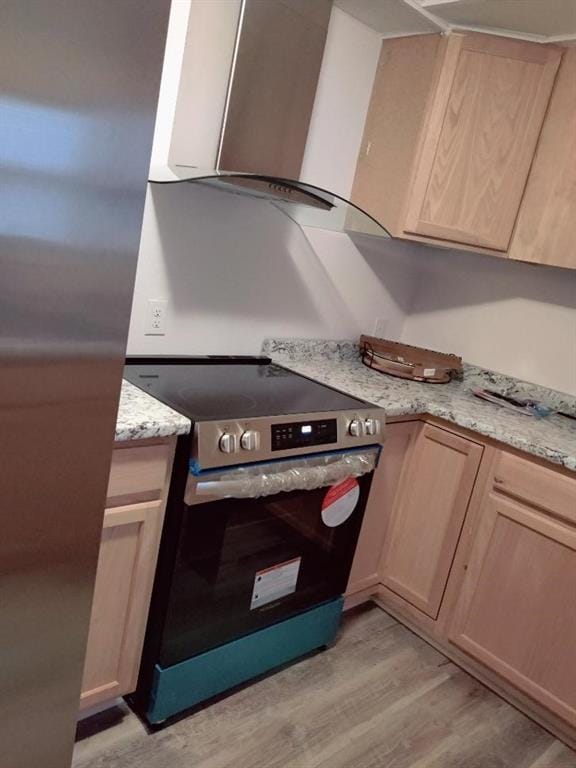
235, 270
512, 317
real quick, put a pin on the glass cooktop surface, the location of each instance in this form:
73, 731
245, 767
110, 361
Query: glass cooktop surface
212, 391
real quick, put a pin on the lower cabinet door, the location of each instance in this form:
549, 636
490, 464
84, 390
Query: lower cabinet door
429, 511
517, 609
126, 566
399, 440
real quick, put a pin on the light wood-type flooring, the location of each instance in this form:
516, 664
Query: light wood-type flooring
380, 698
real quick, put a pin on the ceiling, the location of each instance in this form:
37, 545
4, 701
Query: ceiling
391, 18
540, 20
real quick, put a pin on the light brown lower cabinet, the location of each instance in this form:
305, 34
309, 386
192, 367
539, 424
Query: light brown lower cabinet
364, 576
120, 605
516, 610
126, 565
428, 515
478, 556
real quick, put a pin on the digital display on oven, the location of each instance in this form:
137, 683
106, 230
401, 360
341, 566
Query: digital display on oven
300, 434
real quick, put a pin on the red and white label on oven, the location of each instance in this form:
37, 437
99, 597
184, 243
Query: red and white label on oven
272, 583
340, 501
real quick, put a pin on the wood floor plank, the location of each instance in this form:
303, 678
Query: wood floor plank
501, 737
403, 734
380, 698
557, 755
324, 722
317, 690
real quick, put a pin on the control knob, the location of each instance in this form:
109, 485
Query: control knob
371, 426
355, 428
250, 440
227, 443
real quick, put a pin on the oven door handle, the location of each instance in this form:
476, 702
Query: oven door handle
299, 474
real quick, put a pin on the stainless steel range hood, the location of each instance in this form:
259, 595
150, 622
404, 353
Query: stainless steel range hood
247, 89
248, 83
305, 204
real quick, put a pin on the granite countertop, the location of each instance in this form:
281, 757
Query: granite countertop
337, 364
140, 416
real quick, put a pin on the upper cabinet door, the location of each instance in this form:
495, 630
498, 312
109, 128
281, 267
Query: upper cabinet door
479, 139
546, 228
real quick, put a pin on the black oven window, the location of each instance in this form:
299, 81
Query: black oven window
226, 545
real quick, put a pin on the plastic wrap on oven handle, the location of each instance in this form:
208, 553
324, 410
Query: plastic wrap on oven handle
303, 474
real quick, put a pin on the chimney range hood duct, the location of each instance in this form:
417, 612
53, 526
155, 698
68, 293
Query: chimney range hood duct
306, 204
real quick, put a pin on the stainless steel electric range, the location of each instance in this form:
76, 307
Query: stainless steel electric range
264, 512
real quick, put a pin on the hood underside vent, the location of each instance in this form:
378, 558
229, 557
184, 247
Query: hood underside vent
305, 204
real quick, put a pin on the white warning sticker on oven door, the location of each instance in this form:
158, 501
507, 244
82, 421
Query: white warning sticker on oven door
340, 502
275, 582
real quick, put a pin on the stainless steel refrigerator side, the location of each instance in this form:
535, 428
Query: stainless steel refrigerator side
79, 83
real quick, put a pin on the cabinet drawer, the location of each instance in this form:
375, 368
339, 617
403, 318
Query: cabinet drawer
537, 485
137, 474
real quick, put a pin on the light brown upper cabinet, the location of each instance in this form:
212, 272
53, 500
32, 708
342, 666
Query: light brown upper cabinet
450, 135
429, 511
516, 612
546, 228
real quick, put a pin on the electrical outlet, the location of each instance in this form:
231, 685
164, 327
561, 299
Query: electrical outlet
380, 326
156, 317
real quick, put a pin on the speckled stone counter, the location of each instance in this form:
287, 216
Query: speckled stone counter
337, 364
141, 416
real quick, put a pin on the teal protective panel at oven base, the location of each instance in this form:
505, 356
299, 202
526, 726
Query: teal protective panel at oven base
190, 682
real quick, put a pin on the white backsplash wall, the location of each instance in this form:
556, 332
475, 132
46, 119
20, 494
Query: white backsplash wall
234, 270
512, 317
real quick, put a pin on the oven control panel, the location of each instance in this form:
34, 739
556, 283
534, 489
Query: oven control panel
299, 434
245, 441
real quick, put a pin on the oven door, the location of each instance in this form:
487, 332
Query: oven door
245, 563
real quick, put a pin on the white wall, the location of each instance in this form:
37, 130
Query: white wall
235, 270
342, 99
206, 65
515, 318
175, 44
